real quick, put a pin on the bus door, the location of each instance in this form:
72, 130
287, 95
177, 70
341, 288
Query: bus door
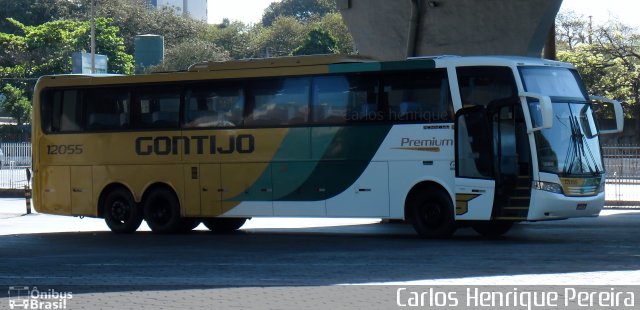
511, 161
475, 182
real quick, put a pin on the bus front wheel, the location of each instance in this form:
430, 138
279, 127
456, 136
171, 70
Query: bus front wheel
431, 213
162, 211
121, 213
224, 225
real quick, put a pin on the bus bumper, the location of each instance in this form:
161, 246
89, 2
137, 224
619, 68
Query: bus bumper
551, 206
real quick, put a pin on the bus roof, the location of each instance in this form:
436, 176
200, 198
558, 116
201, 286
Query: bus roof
289, 61
296, 65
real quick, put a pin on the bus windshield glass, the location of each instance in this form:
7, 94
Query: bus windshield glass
554, 82
571, 145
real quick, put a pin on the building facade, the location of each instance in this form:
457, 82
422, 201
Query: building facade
196, 9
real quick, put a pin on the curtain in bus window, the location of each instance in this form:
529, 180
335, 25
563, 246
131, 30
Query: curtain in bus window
107, 109
158, 109
338, 99
217, 105
418, 96
282, 101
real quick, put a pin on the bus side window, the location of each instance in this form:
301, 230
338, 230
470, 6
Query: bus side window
281, 101
214, 106
108, 109
481, 85
340, 99
157, 109
62, 111
418, 96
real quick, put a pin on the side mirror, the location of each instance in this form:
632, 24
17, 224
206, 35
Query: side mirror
608, 108
540, 111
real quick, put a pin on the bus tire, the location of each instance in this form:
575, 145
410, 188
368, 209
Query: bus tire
162, 211
223, 224
492, 229
431, 213
121, 213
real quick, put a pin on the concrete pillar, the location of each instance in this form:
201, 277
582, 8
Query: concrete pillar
381, 28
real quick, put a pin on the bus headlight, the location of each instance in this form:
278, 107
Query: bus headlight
548, 187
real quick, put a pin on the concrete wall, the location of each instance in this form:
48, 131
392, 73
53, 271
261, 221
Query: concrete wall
381, 28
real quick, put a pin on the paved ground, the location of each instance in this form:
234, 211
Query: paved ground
271, 262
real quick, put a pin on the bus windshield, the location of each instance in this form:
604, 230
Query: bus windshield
571, 145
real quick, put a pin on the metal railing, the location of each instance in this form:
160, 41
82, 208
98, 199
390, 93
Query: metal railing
15, 158
622, 163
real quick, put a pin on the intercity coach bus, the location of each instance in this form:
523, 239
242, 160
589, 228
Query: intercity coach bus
436, 141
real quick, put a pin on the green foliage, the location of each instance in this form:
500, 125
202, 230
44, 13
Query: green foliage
318, 41
14, 102
284, 35
334, 24
607, 56
32, 12
182, 56
47, 48
234, 37
302, 10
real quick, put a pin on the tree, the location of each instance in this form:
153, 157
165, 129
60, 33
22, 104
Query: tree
334, 24
234, 37
14, 102
185, 54
318, 41
302, 10
47, 48
608, 58
32, 12
285, 35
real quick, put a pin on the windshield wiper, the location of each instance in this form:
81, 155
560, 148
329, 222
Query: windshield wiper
579, 149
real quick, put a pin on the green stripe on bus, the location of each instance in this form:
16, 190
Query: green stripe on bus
344, 161
354, 67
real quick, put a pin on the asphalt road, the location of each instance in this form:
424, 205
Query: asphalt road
83, 256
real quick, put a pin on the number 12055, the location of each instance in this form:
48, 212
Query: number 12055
65, 149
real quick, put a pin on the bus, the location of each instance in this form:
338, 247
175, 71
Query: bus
437, 142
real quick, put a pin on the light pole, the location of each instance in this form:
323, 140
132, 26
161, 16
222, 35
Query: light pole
93, 38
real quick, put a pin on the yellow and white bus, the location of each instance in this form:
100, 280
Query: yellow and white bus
438, 142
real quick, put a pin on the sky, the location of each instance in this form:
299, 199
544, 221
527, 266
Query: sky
247, 11
626, 11
250, 11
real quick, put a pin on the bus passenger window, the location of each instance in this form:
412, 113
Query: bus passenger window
62, 111
418, 96
219, 106
280, 102
482, 85
157, 110
340, 99
107, 109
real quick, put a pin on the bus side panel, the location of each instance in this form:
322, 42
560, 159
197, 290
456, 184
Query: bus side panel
368, 196
55, 190
138, 178
407, 174
82, 191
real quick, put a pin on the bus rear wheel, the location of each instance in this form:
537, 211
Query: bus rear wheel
224, 225
121, 213
492, 229
431, 213
162, 212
